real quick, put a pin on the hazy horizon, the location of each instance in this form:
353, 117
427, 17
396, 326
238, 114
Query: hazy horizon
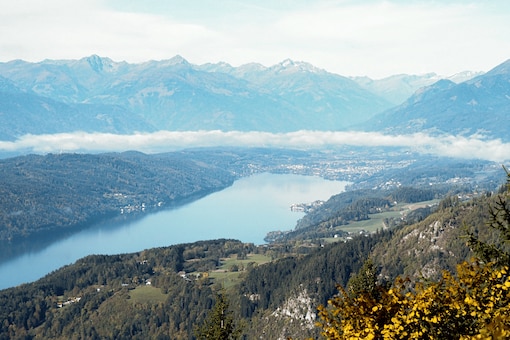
374, 38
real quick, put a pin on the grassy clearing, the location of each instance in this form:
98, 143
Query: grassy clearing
146, 294
228, 278
258, 259
376, 221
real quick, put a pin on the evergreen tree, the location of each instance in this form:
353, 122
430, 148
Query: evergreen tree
220, 323
499, 220
365, 281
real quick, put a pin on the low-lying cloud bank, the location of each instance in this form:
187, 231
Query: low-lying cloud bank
475, 146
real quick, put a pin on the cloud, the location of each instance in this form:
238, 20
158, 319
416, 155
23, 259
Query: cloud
57, 29
389, 37
371, 37
470, 147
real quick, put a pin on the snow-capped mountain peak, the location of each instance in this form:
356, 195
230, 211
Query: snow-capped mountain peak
464, 76
291, 66
176, 60
100, 64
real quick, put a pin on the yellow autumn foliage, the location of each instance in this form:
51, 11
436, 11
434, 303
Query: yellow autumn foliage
474, 304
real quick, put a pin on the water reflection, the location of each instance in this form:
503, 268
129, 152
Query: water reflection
246, 211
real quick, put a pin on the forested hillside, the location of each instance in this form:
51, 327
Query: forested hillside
471, 301
274, 289
436, 243
62, 192
56, 193
132, 296
357, 205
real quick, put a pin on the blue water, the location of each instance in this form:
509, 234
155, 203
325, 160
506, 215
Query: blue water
246, 211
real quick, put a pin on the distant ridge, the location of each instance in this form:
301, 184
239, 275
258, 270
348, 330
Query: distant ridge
24, 111
480, 106
97, 94
400, 87
176, 95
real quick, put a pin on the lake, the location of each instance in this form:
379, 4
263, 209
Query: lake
246, 211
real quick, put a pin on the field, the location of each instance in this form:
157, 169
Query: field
231, 268
376, 221
146, 294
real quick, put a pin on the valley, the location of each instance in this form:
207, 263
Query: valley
246, 210
147, 244
326, 246
61, 192
134, 289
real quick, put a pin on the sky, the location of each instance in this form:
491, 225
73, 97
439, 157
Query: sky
375, 38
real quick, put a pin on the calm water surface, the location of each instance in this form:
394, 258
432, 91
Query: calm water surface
246, 211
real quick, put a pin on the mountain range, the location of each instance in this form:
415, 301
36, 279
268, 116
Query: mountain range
480, 106
23, 112
398, 88
176, 95
96, 94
